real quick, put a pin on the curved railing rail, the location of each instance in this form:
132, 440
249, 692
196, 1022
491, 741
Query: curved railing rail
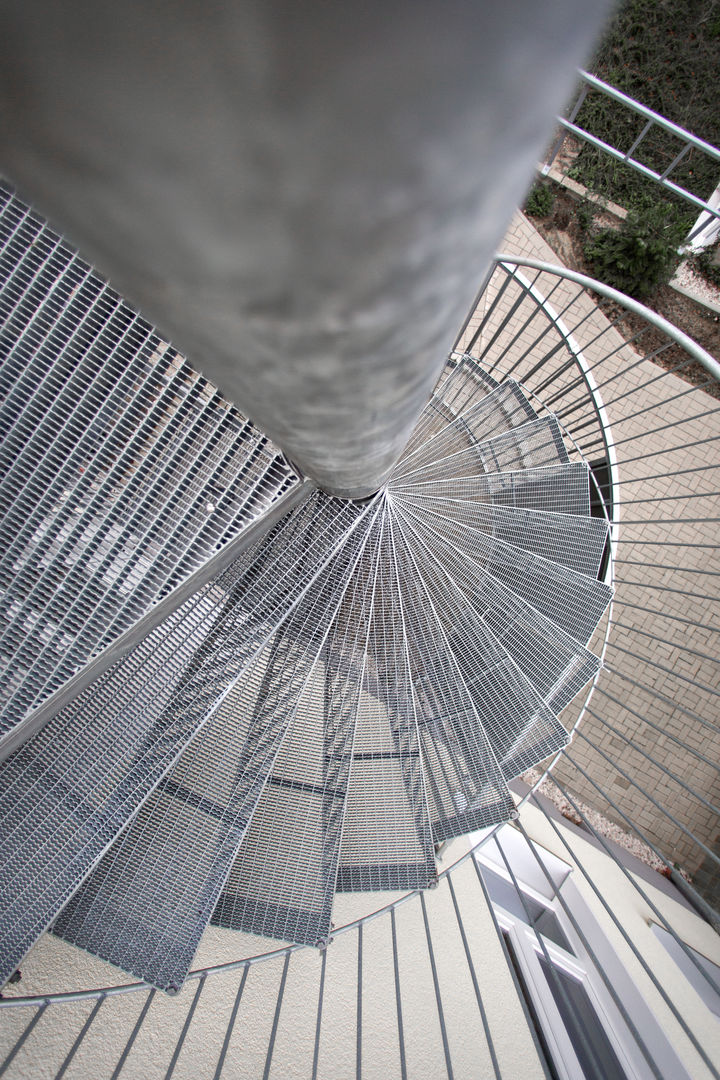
639, 401
682, 139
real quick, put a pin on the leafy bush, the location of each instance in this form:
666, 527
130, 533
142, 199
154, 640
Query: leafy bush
540, 201
639, 255
585, 216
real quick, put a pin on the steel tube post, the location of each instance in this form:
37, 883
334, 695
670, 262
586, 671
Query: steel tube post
302, 196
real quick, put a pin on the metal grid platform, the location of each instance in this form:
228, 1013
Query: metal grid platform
355, 688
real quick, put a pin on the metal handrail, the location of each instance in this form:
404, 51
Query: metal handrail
591, 82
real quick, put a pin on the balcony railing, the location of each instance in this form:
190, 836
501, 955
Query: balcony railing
685, 144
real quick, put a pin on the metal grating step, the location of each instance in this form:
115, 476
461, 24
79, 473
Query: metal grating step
574, 602
555, 488
387, 838
356, 687
462, 382
503, 409
533, 444
122, 472
575, 542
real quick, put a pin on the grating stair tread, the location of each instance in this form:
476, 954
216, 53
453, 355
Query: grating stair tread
358, 686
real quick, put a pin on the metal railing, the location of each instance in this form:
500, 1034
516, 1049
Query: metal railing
591, 85
640, 402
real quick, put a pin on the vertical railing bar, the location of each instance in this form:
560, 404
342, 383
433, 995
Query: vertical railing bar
644, 170
535, 311
358, 1023
538, 311
20, 1041
591, 953
663, 476
661, 667
678, 824
566, 334
441, 1014
81, 1035
398, 998
661, 697
318, 1023
564, 367
585, 1040
672, 449
661, 918
185, 1028
554, 320
580, 402
636, 389
648, 970
540, 363
133, 1035
519, 993
473, 975
642, 110
276, 1017
231, 1024
674, 498
658, 764
664, 615
557, 147
474, 306
639, 139
656, 727
624, 342
672, 423
588, 419
666, 521
666, 543
676, 161
504, 321
489, 312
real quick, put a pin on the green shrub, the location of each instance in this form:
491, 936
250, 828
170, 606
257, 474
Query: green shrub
540, 201
641, 254
585, 215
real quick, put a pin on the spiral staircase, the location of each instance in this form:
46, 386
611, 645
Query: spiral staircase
248, 727
342, 687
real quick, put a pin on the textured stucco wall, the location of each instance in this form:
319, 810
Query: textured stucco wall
636, 913
52, 964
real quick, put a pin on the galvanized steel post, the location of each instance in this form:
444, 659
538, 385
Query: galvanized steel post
302, 196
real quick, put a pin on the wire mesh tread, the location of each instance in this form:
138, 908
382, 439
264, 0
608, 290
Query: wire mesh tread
358, 687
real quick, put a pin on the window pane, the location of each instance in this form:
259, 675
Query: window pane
595, 1053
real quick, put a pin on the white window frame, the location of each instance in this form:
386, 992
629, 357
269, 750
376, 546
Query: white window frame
524, 940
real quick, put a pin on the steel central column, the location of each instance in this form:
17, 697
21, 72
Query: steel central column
303, 197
